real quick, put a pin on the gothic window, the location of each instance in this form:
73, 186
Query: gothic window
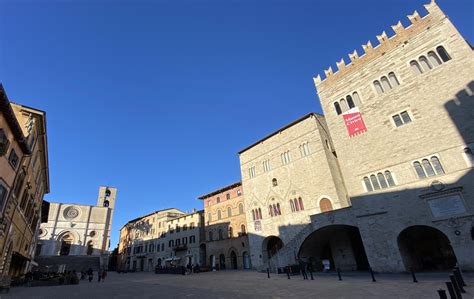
437, 165
393, 79
278, 208
434, 59
219, 215
241, 208
292, 205
242, 229
227, 196
350, 102
424, 63
419, 170
270, 210
416, 67
229, 212
378, 87
253, 215
443, 54
356, 98
300, 200
338, 108
259, 213
427, 167
385, 83
368, 185
297, 206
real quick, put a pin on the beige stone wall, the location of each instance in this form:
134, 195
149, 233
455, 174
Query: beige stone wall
310, 177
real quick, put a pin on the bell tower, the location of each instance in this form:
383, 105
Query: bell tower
106, 199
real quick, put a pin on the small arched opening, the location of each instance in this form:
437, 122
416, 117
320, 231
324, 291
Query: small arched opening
270, 246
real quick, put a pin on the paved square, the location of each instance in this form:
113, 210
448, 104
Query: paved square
238, 284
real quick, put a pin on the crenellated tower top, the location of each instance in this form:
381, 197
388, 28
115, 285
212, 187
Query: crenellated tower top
385, 43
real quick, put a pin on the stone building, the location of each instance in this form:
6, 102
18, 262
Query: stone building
24, 179
288, 176
168, 237
74, 231
226, 243
401, 117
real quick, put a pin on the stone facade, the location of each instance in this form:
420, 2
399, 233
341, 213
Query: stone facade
24, 179
401, 118
78, 230
152, 240
226, 242
287, 177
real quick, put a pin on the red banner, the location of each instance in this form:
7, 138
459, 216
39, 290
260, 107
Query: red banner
354, 123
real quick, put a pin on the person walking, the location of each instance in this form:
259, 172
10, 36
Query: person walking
104, 275
90, 273
303, 269
99, 275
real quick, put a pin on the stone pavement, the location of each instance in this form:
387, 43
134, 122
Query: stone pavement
239, 284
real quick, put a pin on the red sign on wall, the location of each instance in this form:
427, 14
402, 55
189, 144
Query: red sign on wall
354, 123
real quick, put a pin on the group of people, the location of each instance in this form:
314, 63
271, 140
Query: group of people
101, 275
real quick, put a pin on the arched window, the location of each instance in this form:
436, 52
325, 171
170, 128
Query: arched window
427, 167
270, 210
378, 87
253, 215
389, 178
374, 181
259, 213
433, 58
419, 170
367, 184
382, 181
325, 205
242, 229
437, 165
424, 63
211, 236
443, 53
241, 208
218, 199
274, 182
338, 108
219, 215
220, 234
356, 98
385, 83
209, 217
229, 212
297, 206
192, 239
415, 67
300, 200
170, 243
393, 79
231, 232
292, 205
278, 209
350, 102
343, 105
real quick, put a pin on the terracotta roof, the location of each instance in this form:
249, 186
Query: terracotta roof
221, 190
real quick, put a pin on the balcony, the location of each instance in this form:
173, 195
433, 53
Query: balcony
180, 247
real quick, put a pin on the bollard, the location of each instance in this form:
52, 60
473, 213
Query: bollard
339, 273
268, 273
458, 275
442, 294
288, 271
413, 275
457, 291
458, 281
372, 274
452, 294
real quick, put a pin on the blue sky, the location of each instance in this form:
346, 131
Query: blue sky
157, 97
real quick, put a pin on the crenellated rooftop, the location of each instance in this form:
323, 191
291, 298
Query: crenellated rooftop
385, 43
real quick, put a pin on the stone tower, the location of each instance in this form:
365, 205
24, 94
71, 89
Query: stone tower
106, 199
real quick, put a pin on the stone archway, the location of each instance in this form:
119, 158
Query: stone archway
337, 246
222, 261
270, 246
425, 248
66, 241
246, 260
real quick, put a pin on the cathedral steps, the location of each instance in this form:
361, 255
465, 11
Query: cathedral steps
78, 263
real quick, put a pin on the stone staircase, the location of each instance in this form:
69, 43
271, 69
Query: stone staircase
288, 254
78, 263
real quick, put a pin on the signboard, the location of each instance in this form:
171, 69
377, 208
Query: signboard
354, 123
447, 206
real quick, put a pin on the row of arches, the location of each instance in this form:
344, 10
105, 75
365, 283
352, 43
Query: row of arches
296, 205
229, 212
223, 262
421, 247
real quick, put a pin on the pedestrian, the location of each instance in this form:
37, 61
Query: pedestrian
99, 275
104, 275
303, 269
90, 273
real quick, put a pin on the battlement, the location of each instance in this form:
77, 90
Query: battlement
385, 43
